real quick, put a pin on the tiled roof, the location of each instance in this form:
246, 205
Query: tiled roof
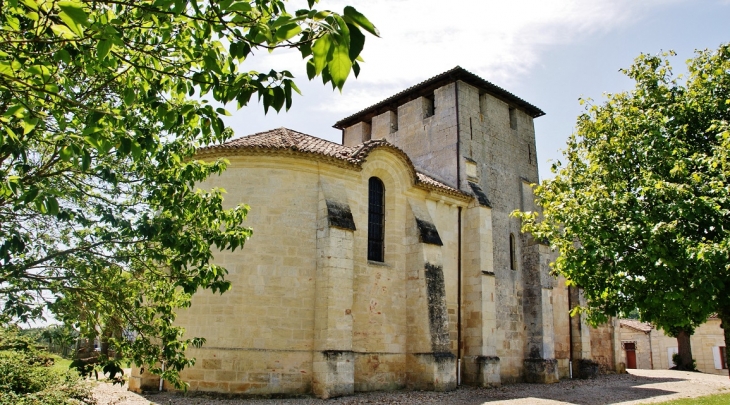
285, 140
458, 73
634, 324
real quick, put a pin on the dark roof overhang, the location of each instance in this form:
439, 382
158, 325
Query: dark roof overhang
427, 87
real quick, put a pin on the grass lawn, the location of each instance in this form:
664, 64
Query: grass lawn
719, 399
59, 363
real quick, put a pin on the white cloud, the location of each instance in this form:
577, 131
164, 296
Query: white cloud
501, 41
498, 40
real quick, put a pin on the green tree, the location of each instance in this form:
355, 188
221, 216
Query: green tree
101, 110
640, 211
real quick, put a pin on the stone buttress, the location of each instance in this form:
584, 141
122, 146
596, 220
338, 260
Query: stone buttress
333, 366
429, 363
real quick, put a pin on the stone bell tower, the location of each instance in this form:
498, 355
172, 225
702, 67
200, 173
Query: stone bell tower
478, 138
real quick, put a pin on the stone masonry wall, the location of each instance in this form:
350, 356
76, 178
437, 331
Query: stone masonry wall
503, 159
706, 336
561, 325
602, 346
285, 327
430, 141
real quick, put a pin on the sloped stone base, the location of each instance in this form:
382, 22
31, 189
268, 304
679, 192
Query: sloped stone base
541, 371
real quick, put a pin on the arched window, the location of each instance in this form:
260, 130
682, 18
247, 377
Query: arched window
512, 255
376, 220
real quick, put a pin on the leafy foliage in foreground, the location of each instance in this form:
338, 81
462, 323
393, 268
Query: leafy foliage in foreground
27, 375
640, 212
101, 221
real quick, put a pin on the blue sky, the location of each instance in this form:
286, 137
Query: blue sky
549, 53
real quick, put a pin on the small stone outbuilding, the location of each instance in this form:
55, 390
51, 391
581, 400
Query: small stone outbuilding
645, 347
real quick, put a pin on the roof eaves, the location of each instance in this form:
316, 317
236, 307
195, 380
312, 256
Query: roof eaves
458, 73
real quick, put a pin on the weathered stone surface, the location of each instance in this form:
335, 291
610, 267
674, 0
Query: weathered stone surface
339, 215
541, 371
334, 373
428, 233
431, 371
308, 313
488, 371
587, 369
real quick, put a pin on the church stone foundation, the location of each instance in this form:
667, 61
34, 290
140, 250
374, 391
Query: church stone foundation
488, 371
587, 368
541, 371
431, 371
334, 373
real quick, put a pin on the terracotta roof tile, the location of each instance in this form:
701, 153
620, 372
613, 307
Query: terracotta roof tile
634, 324
284, 138
287, 140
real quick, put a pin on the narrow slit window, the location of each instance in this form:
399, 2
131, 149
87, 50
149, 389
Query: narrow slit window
429, 108
512, 255
376, 220
512, 118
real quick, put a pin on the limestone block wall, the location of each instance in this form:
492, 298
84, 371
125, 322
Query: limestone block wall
308, 313
644, 347
429, 140
260, 333
706, 336
657, 352
603, 346
561, 325
502, 164
357, 134
384, 125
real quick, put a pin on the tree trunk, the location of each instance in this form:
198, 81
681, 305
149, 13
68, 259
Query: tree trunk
684, 350
724, 315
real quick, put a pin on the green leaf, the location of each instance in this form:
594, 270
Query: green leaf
73, 14
211, 62
279, 98
340, 65
295, 88
311, 70
288, 31
6, 68
65, 153
129, 97
62, 56
29, 124
31, 4
320, 51
102, 48
62, 31
51, 205
357, 42
357, 18
242, 6
30, 195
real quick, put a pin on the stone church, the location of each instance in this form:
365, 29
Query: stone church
390, 260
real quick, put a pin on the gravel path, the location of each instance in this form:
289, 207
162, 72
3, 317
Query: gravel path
638, 387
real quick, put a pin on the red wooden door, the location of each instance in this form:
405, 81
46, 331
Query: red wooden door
630, 355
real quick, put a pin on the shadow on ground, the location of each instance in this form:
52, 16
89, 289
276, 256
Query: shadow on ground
608, 389
621, 388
